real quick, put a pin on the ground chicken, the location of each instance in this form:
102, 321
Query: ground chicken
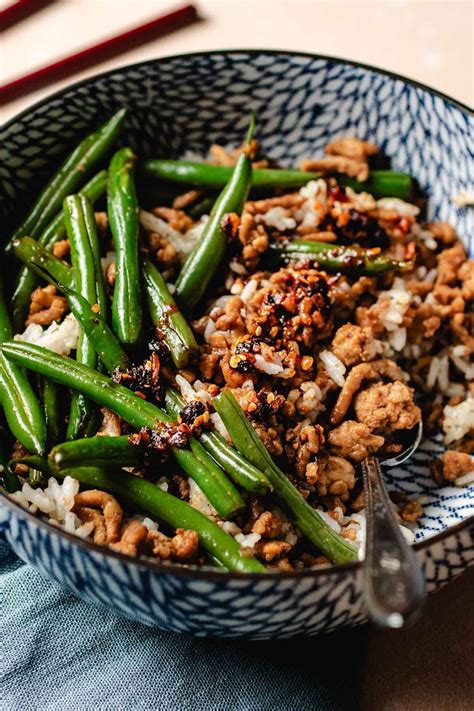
353, 148
443, 232
269, 550
182, 547
411, 511
353, 344
133, 534
335, 476
449, 261
111, 510
387, 407
46, 306
303, 442
354, 440
456, 464
338, 164
364, 371
466, 277
268, 525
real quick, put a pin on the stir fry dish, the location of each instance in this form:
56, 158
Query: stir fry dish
196, 355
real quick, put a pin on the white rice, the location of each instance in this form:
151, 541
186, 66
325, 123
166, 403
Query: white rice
399, 300
277, 217
422, 236
60, 338
458, 420
273, 367
465, 479
249, 290
464, 198
248, 541
230, 527
183, 242
200, 502
55, 501
163, 483
404, 209
219, 426
315, 194
460, 357
335, 368
151, 525
237, 267
329, 520
362, 202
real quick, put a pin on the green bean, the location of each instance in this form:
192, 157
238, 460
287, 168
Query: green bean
123, 219
166, 317
10, 480
70, 176
91, 230
94, 325
36, 463
235, 466
333, 257
37, 258
55, 231
83, 267
22, 409
130, 407
205, 258
308, 520
51, 400
170, 510
381, 183
99, 451
201, 207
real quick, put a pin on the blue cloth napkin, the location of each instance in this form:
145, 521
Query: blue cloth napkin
62, 653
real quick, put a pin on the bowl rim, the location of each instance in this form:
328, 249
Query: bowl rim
194, 572
157, 566
252, 51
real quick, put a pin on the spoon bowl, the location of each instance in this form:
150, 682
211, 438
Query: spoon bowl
394, 586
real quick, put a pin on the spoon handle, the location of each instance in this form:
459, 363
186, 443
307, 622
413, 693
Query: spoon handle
394, 586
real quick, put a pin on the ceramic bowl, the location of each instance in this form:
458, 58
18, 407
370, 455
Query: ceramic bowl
301, 101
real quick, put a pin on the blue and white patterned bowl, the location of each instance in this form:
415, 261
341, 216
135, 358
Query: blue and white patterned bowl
301, 101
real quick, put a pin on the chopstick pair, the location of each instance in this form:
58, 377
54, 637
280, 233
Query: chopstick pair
97, 53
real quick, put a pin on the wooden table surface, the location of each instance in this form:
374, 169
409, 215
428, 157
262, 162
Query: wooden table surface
429, 666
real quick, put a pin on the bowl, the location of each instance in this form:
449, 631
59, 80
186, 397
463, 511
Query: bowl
302, 101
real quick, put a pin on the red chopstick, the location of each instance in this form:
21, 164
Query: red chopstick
97, 53
19, 10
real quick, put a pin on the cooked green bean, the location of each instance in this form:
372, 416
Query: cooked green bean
91, 230
51, 400
70, 176
205, 258
170, 510
308, 520
10, 480
35, 256
83, 267
55, 231
235, 466
20, 404
133, 409
333, 257
166, 317
380, 183
123, 219
36, 463
99, 451
95, 326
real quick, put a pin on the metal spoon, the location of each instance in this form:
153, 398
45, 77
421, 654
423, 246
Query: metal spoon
394, 586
